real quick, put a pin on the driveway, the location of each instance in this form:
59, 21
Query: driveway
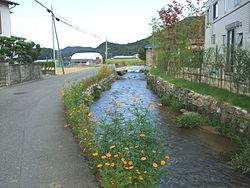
36, 151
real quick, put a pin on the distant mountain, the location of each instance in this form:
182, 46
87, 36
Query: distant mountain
114, 49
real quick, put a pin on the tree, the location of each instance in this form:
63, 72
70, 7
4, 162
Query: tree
142, 53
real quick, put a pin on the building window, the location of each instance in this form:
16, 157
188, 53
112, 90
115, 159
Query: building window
213, 39
215, 10
225, 6
208, 20
236, 2
239, 39
224, 40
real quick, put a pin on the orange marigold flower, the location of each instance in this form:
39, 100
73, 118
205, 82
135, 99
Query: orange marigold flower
142, 135
95, 154
123, 159
163, 162
155, 164
112, 164
108, 155
100, 165
125, 162
131, 167
138, 173
138, 97
125, 167
107, 164
119, 104
104, 157
110, 109
119, 153
151, 106
112, 147
90, 114
141, 178
144, 158
130, 162
134, 100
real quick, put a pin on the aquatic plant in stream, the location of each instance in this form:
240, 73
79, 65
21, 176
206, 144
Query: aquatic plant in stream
129, 150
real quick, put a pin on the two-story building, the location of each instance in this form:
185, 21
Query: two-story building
227, 22
5, 10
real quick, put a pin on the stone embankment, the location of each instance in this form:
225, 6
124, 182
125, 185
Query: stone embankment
205, 105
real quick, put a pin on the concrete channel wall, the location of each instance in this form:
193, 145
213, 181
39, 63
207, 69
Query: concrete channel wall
15, 73
205, 105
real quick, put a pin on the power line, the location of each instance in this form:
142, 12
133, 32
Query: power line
65, 21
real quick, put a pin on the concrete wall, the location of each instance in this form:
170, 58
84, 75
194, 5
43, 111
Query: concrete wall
205, 105
12, 74
5, 28
239, 13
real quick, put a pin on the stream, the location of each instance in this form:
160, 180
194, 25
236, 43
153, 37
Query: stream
199, 158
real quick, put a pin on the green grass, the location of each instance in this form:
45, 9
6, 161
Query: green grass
235, 99
124, 62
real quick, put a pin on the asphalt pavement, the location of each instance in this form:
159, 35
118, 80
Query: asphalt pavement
36, 151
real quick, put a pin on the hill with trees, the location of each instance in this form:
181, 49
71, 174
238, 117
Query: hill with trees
114, 49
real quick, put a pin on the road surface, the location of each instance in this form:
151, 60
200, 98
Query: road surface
36, 151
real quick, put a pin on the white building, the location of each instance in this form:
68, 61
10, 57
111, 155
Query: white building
227, 22
87, 58
5, 24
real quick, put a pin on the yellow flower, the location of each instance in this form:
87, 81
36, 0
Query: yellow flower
123, 159
125, 167
127, 99
108, 155
119, 153
110, 109
134, 100
136, 147
107, 164
155, 165
116, 155
104, 157
119, 104
142, 135
145, 172
142, 151
112, 164
141, 178
95, 154
90, 114
167, 157
126, 148
151, 106
130, 162
125, 162
159, 104
144, 158
163, 162
153, 151
100, 165
112, 147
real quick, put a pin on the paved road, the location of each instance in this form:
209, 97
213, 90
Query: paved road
36, 151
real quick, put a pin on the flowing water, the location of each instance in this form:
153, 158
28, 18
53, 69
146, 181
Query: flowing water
197, 156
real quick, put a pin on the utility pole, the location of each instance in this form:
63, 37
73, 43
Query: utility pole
53, 40
106, 52
57, 40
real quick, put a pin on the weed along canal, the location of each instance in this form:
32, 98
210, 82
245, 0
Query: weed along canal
197, 158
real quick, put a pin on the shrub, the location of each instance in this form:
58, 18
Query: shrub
242, 161
165, 100
190, 120
176, 105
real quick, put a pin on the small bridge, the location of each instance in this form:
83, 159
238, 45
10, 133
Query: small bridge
140, 68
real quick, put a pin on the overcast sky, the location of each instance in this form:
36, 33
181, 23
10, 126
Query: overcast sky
122, 21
